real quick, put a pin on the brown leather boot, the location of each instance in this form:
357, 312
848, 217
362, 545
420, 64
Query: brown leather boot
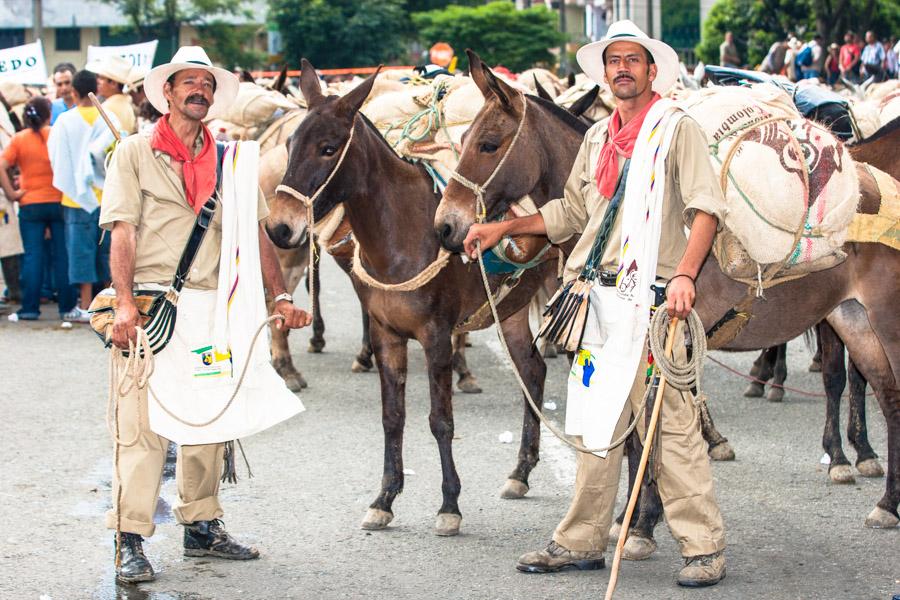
209, 538
556, 558
702, 571
133, 564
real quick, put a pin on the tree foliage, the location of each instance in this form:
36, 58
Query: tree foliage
146, 16
341, 33
231, 46
517, 39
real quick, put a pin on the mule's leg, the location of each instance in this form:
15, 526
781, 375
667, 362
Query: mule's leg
531, 367
835, 379
467, 382
292, 268
719, 448
363, 361
858, 327
439, 356
317, 341
779, 374
857, 433
815, 365
762, 369
647, 512
390, 349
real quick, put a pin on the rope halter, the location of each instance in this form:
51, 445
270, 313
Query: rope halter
479, 189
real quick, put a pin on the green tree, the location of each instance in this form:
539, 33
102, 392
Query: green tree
231, 46
423, 5
517, 39
341, 33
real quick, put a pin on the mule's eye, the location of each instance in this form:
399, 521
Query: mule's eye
487, 147
329, 151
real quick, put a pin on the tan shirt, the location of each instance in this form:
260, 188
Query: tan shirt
143, 189
121, 106
691, 185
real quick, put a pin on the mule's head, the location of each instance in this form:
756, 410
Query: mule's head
485, 144
313, 152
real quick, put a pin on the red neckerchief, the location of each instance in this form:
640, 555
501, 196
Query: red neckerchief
619, 140
199, 171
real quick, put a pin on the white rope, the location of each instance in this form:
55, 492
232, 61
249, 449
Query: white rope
414, 283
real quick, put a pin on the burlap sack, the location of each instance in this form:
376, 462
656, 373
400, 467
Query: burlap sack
600, 109
256, 105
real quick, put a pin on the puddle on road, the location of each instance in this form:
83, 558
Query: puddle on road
110, 589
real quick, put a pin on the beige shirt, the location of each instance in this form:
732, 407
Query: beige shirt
691, 185
144, 190
121, 106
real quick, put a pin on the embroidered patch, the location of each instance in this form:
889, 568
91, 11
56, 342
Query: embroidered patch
586, 361
210, 363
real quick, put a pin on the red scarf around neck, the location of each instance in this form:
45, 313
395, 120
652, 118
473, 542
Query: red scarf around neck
199, 171
619, 140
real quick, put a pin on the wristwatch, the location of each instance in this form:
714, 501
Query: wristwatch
284, 296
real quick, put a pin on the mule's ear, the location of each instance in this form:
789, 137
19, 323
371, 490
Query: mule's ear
585, 102
541, 91
278, 84
477, 75
353, 100
309, 84
571, 79
498, 87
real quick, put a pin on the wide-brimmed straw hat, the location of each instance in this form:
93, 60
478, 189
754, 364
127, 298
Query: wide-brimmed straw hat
111, 66
191, 57
590, 56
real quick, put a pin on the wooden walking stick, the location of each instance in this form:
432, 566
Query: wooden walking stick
106, 118
642, 466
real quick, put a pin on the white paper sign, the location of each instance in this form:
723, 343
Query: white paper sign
24, 64
141, 55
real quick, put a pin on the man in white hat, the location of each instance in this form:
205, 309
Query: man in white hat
610, 373
156, 185
113, 74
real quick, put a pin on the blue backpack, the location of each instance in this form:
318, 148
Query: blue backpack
805, 57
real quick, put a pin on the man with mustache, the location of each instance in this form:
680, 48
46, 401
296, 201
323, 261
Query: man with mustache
638, 70
157, 184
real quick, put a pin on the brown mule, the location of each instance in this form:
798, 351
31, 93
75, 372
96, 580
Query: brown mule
390, 204
857, 297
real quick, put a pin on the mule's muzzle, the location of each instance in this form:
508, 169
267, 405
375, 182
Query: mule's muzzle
451, 231
286, 237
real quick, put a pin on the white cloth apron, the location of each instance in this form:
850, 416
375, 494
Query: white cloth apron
197, 372
603, 371
10, 236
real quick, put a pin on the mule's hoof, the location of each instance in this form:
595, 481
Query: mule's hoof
776, 394
721, 452
295, 383
815, 366
754, 390
447, 524
615, 530
513, 489
638, 548
881, 519
376, 519
316, 346
870, 468
468, 385
358, 367
841, 474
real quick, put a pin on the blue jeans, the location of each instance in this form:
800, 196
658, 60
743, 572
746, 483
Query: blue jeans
34, 219
88, 257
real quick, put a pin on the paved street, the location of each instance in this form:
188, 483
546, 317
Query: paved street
791, 533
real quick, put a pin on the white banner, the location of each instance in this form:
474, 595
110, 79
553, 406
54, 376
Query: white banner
24, 64
141, 55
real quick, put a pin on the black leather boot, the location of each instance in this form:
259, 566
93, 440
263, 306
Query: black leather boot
209, 538
133, 564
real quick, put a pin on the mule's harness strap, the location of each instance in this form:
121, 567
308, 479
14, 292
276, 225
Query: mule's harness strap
478, 189
424, 276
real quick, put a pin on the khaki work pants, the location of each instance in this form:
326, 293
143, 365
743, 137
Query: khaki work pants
197, 473
685, 478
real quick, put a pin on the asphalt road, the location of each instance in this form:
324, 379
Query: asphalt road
791, 533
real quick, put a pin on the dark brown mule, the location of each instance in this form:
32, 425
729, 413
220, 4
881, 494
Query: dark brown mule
857, 298
390, 204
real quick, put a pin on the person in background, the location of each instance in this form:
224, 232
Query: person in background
790, 59
78, 145
39, 210
873, 58
113, 74
849, 58
728, 54
890, 58
832, 65
773, 63
62, 81
812, 59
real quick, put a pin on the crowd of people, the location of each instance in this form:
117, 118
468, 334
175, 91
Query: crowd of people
54, 170
856, 60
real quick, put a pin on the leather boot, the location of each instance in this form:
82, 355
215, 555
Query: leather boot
702, 571
133, 564
209, 538
556, 558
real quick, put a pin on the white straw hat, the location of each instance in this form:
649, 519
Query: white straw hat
112, 66
590, 56
191, 57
